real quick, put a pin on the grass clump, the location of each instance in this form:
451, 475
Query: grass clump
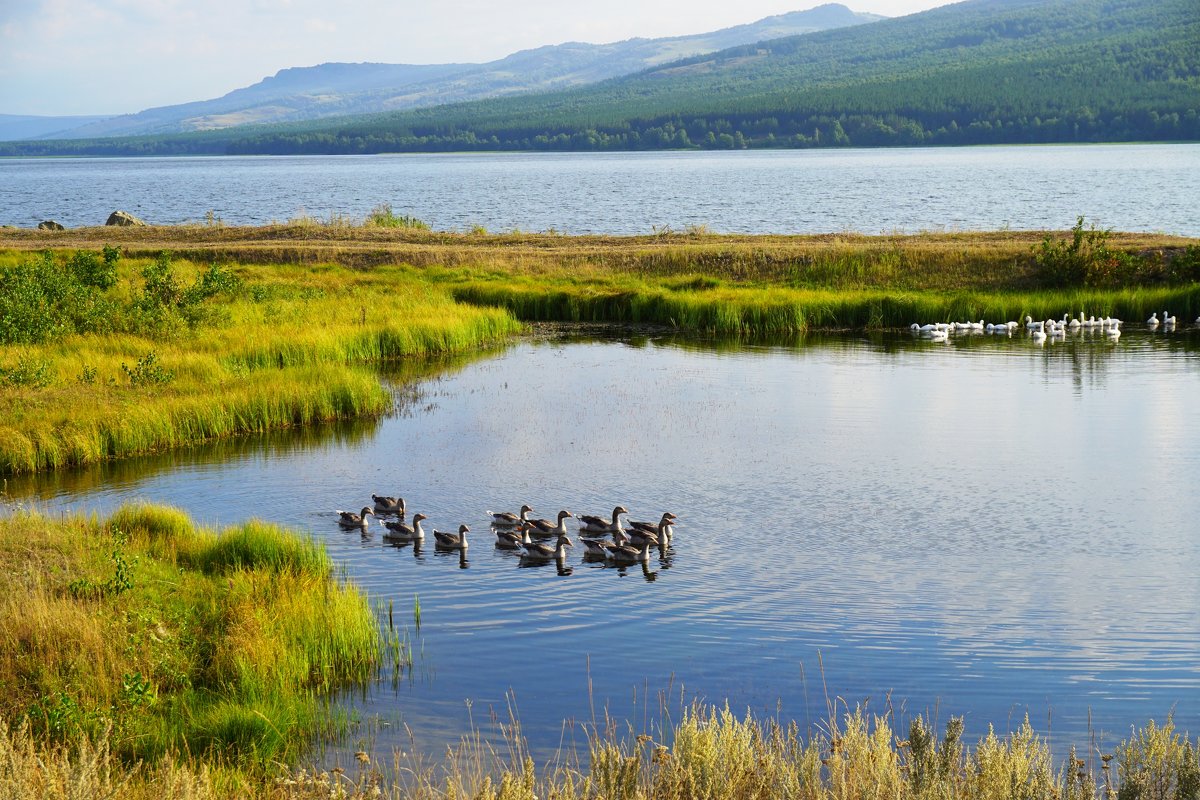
382, 216
216, 645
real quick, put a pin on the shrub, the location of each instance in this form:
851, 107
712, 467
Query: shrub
93, 270
382, 216
147, 371
28, 372
1084, 260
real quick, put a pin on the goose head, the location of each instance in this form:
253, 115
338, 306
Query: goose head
618, 511
563, 515
418, 517
525, 510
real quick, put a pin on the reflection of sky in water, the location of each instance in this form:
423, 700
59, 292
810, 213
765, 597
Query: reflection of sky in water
988, 529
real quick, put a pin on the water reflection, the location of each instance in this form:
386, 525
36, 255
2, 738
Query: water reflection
979, 526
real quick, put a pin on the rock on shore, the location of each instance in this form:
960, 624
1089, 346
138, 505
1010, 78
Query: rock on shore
123, 219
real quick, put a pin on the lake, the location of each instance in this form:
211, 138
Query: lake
1151, 188
984, 527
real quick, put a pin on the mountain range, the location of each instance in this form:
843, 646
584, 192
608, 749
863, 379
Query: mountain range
974, 72
339, 89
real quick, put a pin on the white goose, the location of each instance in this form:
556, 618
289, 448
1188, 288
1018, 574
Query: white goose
1153, 321
1168, 321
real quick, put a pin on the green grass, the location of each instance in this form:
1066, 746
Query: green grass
701, 303
166, 638
711, 753
293, 331
295, 345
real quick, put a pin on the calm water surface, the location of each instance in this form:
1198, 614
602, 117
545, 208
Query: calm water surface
1125, 187
982, 527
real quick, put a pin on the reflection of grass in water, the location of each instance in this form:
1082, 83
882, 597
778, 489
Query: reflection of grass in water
399, 378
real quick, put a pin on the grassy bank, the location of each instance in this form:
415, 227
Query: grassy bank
710, 754
162, 639
149, 362
261, 328
957, 261
705, 304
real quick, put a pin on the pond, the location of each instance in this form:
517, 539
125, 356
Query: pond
982, 527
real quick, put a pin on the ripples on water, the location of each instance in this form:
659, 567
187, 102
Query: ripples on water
787, 191
979, 527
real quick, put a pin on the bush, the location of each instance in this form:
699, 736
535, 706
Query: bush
382, 217
1084, 260
93, 270
28, 372
148, 372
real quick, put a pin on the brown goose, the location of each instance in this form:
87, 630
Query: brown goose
348, 519
389, 505
546, 528
507, 519
600, 525
628, 554
664, 530
544, 552
451, 541
398, 531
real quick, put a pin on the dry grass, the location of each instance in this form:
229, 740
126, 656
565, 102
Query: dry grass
711, 753
927, 261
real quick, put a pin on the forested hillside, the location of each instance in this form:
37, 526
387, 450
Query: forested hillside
983, 71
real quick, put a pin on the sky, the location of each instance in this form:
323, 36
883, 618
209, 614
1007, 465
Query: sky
61, 57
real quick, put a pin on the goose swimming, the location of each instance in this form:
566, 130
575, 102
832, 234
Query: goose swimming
508, 539
507, 519
663, 530
628, 554
599, 524
1153, 321
544, 552
451, 541
398, 531
348, 519
390, 505
544, 527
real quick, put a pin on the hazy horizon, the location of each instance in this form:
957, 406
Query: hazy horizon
111, 57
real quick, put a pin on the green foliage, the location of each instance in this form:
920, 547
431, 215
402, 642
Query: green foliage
382, 217
121, 579
147, 372
161, 288
28, 372
1083, 260
93, 270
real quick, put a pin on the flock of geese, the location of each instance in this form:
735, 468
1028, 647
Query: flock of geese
609, 538
1041, 330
